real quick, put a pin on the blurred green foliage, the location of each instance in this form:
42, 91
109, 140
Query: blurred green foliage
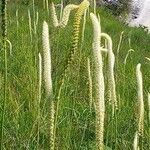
121, 7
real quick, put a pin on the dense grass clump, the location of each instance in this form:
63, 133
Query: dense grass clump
75, 120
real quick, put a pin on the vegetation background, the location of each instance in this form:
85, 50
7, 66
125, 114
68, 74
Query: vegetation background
76, 122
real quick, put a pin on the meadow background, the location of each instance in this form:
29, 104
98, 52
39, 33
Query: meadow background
76, 121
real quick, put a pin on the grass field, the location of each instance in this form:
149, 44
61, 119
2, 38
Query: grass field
76, 122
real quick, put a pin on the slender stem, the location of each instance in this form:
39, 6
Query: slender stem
115, 126
4, 35
118, 48
44, 4
57, 106
39, 100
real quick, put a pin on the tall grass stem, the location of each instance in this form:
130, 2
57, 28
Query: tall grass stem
4, 48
